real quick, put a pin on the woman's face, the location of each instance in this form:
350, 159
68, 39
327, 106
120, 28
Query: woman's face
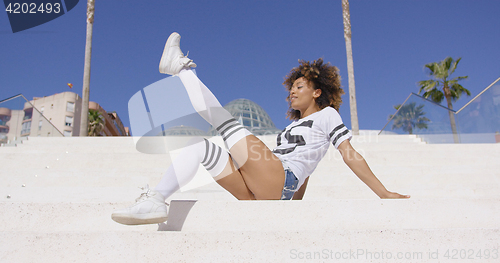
303, 95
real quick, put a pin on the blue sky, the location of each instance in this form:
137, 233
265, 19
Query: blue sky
245, 48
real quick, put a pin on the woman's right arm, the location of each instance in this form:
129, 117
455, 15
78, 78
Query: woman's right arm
359, 166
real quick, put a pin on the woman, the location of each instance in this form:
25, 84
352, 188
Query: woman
250, 170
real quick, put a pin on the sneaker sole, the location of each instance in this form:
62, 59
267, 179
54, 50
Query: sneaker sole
164, 55
142, 219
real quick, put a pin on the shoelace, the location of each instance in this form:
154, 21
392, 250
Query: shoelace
146, 194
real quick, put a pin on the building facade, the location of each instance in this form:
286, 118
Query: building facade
63, 110
55, 115
113, 126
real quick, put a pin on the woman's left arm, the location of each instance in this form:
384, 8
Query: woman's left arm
359, 166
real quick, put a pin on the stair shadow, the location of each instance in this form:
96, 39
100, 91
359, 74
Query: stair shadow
177, 214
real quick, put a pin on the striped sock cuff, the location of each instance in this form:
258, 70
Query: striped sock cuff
232, 132
215, 158
229, 128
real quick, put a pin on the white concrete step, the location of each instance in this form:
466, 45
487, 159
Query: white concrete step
333, 245
122, 141
327, 182
125, 161
261, 231
458, 171
265, 216
456, 181
335, 214
42, 156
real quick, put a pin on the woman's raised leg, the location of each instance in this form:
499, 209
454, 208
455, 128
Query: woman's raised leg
262, 171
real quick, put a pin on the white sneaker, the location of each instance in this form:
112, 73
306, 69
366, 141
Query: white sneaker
150, 208
173, 60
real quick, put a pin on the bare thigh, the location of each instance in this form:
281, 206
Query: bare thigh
261, 170
232, 180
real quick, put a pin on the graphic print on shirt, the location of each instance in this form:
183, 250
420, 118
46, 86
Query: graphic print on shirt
297, 139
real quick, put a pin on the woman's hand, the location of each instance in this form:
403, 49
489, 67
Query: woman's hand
392, 195
359, 166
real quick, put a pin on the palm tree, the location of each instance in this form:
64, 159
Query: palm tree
96, 123
440, 73
350, 67
86, 70
408, 117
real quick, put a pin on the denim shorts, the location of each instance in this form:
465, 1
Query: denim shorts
290, 187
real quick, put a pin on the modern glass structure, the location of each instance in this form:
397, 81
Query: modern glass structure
252, 116
247, 112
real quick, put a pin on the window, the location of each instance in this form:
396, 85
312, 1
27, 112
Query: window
40, 125
70, 107
28, 115
69, 121
247, 123
67, 133
26, 127
42, 109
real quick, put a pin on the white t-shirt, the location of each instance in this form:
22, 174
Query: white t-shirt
303, 143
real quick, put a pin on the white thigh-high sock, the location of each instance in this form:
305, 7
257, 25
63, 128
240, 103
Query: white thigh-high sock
207, 105
184, 167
